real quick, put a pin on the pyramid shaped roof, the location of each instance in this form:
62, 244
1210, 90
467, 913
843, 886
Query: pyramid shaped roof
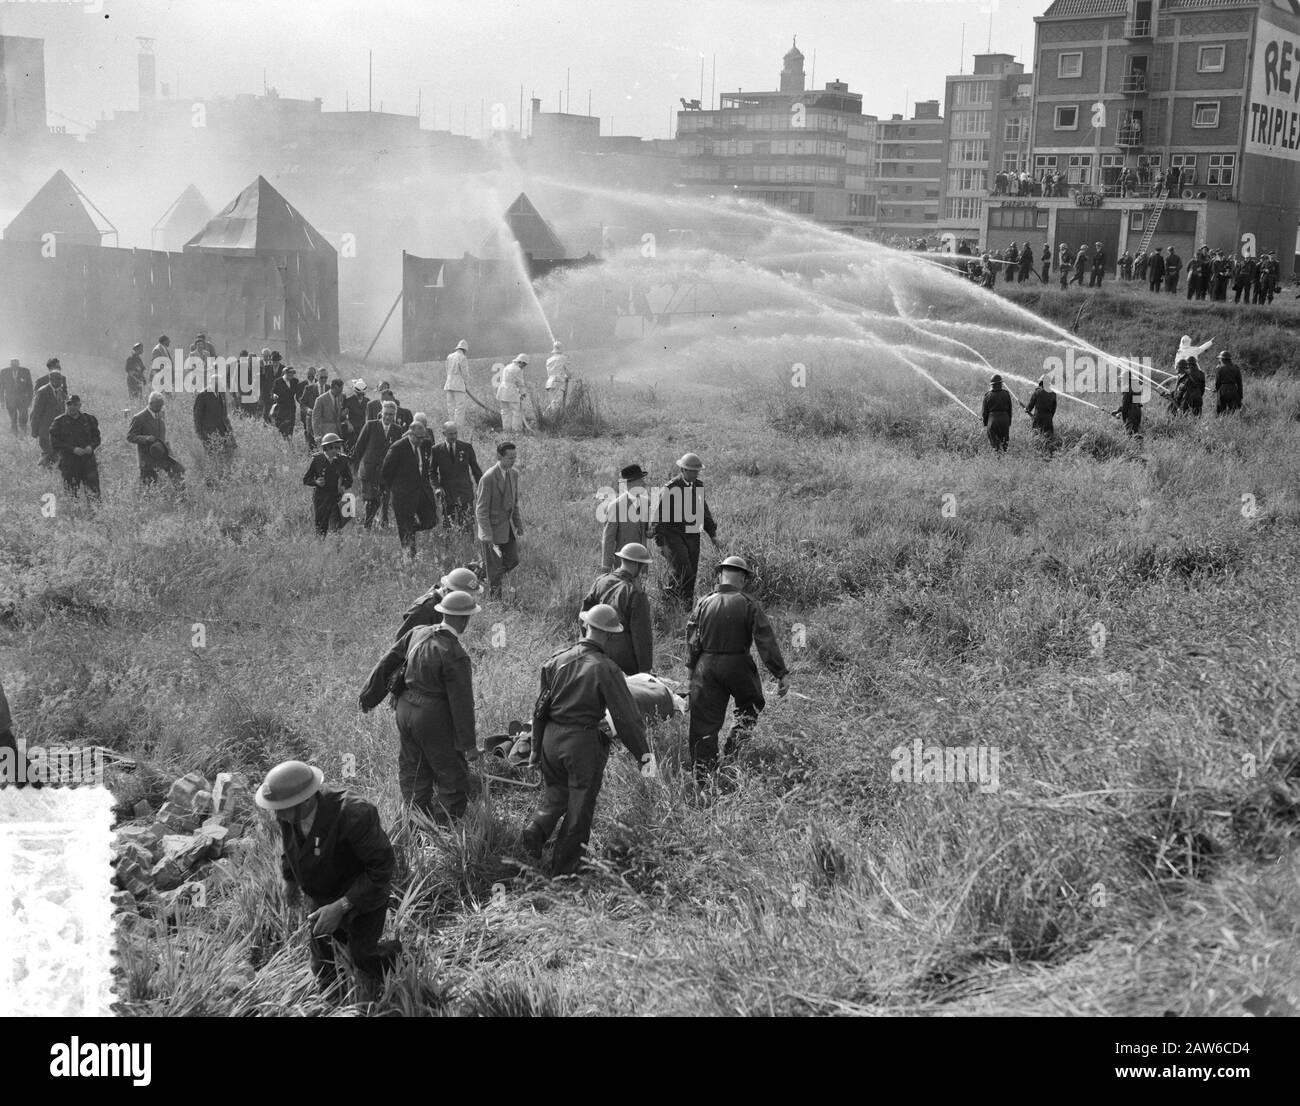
259, 220
62, 209
530, 230
188, 213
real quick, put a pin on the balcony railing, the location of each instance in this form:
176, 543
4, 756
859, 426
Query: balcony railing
1135, 82
1137, 28
1128, 137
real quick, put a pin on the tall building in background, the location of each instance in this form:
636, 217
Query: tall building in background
909, 164
1206, 88
805, 151
987, 116
22, 88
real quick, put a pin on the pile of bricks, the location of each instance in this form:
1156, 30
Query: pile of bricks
201, 823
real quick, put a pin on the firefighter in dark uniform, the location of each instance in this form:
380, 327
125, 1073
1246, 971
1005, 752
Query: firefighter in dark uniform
435, 711
328, 475
1130, 404
719, 633
624, 590
1227, 384
74, 437
579, 684
682, 513
424, 611
338, 855
996, 412
1041, 409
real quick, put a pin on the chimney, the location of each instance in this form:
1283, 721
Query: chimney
148, 73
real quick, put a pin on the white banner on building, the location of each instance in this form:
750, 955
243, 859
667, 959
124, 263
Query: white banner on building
1273, 116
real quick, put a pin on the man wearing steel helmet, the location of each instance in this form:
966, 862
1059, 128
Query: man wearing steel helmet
578, 685
719, 633
435, 710
682, 513
328, 475
337, 854
624, 590
424, 611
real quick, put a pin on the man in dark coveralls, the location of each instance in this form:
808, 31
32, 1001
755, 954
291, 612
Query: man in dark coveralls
719, 633
579, 683
338, 855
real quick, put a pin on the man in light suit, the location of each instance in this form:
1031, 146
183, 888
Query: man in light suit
405, 475
327, 415
496, 511
148, 433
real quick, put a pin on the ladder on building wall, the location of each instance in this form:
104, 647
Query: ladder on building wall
1150, 231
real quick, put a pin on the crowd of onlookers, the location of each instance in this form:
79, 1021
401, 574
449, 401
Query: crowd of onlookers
1145, 180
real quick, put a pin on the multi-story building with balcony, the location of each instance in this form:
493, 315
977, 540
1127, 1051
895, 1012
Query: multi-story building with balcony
908, 169
804, 151
1194, 98
987, 125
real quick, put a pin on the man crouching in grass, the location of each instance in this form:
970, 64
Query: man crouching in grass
337, 853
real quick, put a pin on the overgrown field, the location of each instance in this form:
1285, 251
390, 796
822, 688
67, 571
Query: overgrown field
1121, 623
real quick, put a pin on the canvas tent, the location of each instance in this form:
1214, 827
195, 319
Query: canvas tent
60, 208
533, 233
188, 214
261, 224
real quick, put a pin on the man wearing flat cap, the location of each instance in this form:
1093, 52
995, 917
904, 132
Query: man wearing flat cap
338, 855
626, 518
74, 437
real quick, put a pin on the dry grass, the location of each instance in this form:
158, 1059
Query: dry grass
1127, 826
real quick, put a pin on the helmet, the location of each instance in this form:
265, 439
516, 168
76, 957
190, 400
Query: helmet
556, 347
463, 345
460, 579
634, 551
603, 617
457, 602
330, 439
289, 784
738, 563
690, 461
522, 359
358, 385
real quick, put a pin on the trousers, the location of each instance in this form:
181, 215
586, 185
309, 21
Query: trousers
682, 552
573, 768
77, 471
456, 402
360, 933
428, 761
717, 679
497, 567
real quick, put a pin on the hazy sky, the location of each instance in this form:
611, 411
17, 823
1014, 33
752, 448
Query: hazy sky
636, 56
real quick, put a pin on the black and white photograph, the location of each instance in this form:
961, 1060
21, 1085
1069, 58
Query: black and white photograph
673, 509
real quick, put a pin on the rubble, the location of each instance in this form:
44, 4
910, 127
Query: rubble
159, 857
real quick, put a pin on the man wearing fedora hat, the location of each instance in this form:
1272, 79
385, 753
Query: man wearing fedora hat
624, 591
51, 398
719, 633
16, 393
1227, 384
996, 411
578, 685
680, 516
435, 710
337, 854
626, 518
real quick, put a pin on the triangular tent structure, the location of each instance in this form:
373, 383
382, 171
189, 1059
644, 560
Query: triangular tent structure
62, 209
188, 214
530, 230
259, 220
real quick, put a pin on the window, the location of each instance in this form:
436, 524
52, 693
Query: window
1080, 169
1014, 130
1209, 59
1044, 161
1136, 220
964, 207
967, 180
910, 152
970, 122
1067, 117
1186, 163
1070, 65
1017, 218
1223, 168
969, 150
911, 170
860, 205
975, 92
1205, 113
